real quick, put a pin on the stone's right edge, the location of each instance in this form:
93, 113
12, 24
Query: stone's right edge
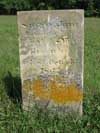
82, 74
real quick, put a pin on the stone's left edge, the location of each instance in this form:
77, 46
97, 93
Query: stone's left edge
19, 40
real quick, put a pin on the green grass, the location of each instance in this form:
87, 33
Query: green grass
14, 120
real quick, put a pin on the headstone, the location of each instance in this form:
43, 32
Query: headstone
51, 47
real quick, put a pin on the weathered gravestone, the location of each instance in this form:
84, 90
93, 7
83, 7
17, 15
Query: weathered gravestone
51, 58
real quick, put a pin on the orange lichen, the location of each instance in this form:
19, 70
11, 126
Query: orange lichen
38, 89
58, 93
56, 90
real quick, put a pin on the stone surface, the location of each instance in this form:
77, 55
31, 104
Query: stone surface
51, 47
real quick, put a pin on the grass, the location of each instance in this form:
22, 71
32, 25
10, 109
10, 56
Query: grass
14, 120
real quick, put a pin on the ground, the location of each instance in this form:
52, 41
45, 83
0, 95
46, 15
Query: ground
13, 119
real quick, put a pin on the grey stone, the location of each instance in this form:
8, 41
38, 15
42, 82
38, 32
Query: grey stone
51, 45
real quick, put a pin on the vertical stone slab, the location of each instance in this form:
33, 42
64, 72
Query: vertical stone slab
51, 45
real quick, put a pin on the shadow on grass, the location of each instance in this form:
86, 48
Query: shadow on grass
13, 87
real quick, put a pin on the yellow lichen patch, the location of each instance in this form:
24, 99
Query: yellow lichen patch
38, 90
58, 96
74, 93
58, 93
